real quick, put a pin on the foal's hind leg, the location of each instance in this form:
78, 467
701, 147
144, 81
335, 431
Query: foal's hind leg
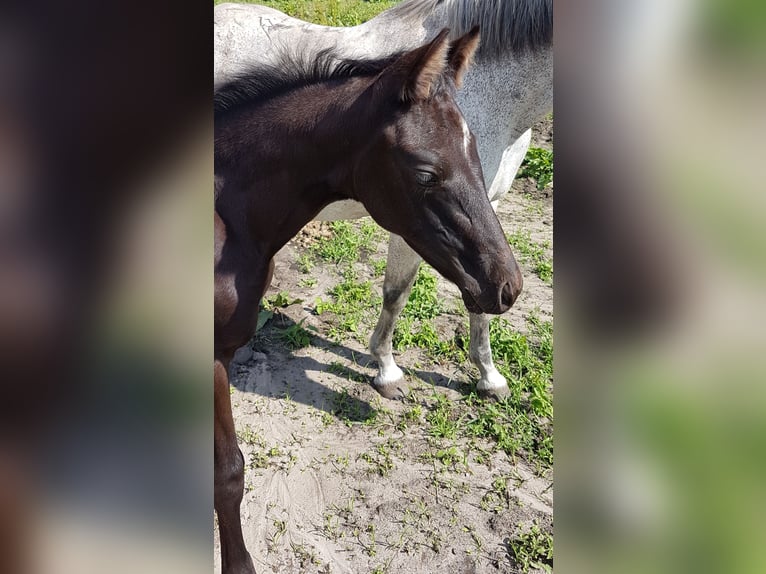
401, 269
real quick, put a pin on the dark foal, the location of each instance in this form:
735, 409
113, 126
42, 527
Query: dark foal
386, 133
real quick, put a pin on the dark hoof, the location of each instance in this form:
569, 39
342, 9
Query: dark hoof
495, 394
393, 391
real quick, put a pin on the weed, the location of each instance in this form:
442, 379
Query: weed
305, 263
296, 336
497, 497
248, 436
378, 267
451, 457
442, 423
307, 282
280, 527
538, 164
533, 549
533, 254
327, 419
338, 368
379, 458
281, 299
331, 527
305, 554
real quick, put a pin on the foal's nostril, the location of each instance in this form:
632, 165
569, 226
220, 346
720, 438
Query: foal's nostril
506, 296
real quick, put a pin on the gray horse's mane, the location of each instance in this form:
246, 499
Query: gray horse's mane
518, 25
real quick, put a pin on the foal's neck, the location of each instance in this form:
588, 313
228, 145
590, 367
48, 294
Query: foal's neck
305, 144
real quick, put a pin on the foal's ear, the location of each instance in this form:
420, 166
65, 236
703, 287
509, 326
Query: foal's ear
423, 66
460, 56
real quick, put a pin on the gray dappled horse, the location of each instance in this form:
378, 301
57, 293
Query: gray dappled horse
507, 90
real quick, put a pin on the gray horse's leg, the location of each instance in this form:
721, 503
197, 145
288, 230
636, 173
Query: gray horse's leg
491, 383
401, 269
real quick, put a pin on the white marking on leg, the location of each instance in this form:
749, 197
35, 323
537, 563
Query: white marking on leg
481, 353
401, 269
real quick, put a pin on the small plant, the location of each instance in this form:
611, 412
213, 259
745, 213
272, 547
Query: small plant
305, 263
305, 554
538, 164
442, 423
533, 254
379, 459
378, 267
308, 282
281, 299
296, 336
533, 549
280, 527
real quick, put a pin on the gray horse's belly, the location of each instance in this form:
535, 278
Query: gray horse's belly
346, 209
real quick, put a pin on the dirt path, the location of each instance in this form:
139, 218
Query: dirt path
340, 480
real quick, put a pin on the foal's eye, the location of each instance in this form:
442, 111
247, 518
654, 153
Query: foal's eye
426, 178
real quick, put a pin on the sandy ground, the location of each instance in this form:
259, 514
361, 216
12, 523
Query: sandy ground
327, 494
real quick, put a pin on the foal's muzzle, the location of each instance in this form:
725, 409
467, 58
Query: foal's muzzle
502, 299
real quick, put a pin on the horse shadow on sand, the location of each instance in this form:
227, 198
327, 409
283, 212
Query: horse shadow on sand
269, 368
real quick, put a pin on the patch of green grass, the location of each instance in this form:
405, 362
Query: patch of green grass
532, 253
414, 328
353, 304
532, 549
327, 12
523, 421
423, 302
347, 241
442, 420
538, 164
378, 267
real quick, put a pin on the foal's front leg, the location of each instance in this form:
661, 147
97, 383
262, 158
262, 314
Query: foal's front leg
229, 477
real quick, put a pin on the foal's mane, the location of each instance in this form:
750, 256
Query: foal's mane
516, 25
291, 72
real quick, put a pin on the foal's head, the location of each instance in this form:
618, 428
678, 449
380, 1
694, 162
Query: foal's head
420, 175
